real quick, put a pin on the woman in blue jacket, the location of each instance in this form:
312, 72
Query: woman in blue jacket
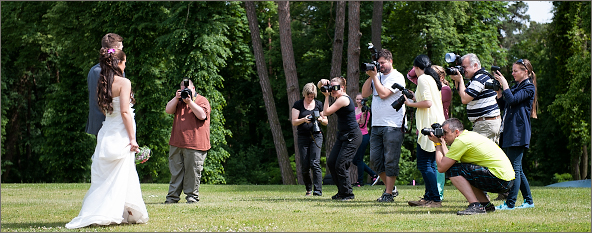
519, 105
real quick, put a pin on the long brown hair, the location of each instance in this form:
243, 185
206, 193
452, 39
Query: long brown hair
109, 61
525, 64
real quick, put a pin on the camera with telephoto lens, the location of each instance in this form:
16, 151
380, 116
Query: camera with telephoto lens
329, 88
315, 124
494, 85
453, 58
185, 93
374, 63
436, 130
364, 107
397, 104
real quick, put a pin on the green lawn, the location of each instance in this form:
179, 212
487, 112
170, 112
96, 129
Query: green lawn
48, 207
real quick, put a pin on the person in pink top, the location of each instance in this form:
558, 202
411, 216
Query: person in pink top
362, 117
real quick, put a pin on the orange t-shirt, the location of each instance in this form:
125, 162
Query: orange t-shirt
188, 131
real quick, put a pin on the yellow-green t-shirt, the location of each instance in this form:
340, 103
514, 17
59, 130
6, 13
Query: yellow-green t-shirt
474, 148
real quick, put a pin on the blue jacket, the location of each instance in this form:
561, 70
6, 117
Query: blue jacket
516, 102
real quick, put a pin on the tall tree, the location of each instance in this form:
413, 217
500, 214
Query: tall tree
353, 61
377, 24
336, 61
280, 144
292, 87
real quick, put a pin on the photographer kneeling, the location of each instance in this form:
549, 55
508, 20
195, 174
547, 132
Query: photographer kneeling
483, 165
349, 136
306, 113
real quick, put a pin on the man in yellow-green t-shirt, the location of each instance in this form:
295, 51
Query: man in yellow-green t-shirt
473, 164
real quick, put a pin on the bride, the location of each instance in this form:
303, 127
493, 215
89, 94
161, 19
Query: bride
114, 196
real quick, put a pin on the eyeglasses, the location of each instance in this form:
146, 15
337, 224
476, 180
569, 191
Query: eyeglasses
520, 61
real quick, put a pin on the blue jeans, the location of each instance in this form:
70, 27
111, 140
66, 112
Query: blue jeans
515, 153
425, 164
359, 159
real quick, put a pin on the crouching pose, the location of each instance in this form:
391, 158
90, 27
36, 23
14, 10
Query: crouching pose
483, 165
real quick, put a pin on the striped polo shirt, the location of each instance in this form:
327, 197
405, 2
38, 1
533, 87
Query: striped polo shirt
483, 103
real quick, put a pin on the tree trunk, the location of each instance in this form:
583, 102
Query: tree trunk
278, 138
584, 163
575, 166
330, 136
353, 62
377, 25
292, 87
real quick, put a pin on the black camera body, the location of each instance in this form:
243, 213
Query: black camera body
453, 58
494, 85
397, 104
364, 107
374, 63
452, 70
436, 130
315, 124
329, 88
185, 93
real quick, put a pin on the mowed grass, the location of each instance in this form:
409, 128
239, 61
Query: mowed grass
48, 207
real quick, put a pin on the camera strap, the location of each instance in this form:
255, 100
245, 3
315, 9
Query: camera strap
314, 140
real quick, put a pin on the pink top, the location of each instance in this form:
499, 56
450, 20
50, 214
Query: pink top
446, 99
365, 128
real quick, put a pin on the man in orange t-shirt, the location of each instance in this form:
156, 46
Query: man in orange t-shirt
189, 142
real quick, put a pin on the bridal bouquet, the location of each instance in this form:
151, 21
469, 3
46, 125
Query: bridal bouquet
143, 155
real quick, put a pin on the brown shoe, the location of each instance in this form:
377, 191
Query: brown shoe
432, 204
417, 203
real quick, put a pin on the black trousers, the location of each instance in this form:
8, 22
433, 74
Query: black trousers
341, 156
310, 160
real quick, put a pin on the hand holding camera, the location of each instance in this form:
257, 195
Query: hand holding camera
436, 130
495, 84
399, 102
186, 92
315, 117
372, 67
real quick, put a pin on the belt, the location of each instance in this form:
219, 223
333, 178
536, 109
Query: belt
487, 118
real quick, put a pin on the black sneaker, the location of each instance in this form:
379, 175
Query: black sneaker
489, 207
357, 184
317, 193
473, 209
386, 197
336, 196
395, 193
346, 198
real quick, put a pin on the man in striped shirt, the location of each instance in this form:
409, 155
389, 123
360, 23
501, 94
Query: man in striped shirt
482, 108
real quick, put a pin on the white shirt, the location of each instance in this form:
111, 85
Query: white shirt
383, 114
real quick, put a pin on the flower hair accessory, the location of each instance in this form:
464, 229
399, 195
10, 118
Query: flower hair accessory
143, 155
111, 51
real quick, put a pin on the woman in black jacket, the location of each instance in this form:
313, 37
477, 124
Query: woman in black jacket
519, 105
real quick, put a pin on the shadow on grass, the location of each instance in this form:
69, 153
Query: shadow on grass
51, 225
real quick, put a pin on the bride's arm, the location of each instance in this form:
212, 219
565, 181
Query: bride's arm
126, 115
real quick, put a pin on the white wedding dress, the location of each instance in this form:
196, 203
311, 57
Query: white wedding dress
114, 196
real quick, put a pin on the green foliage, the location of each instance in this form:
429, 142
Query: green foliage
558, 178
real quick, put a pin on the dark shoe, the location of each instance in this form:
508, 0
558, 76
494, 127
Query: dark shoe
501, 197
395, 193
489, 207
192, 200
170, 202
386, 197
432, 204
417, 203
472, 209
358, 184
308, 193
346, 198
336, 196
317, 193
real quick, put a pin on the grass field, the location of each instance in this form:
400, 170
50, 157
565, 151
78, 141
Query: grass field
48, 207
